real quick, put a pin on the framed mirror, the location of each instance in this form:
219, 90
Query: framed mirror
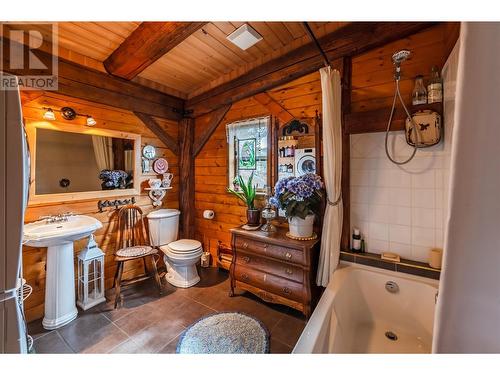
74, 162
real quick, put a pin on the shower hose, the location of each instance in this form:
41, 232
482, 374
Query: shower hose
397, 94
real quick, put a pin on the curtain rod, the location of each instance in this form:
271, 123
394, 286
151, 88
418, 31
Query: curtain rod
311, 35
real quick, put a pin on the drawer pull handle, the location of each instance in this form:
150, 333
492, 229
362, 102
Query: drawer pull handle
246, 259
288, 255
245, 245
265, 246
286, 290
288, 271
244, 276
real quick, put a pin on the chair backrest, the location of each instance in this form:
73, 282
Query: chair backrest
131, 227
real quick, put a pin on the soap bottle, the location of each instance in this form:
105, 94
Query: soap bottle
435, 87
356, 240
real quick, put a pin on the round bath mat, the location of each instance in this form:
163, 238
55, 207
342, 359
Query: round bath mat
225, 333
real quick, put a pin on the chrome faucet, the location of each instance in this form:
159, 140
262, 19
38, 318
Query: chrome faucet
60, 218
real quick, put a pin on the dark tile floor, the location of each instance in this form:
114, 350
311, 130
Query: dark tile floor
147, 323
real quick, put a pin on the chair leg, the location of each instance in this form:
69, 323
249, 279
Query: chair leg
116, 274
117, 282
145, 266
155, 274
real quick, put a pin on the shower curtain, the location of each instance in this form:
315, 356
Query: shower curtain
103, 151
332, 165
468, 308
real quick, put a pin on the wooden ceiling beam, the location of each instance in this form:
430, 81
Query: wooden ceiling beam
350, 40
274, 107
81, 82
213, 122
157, 130
147, 43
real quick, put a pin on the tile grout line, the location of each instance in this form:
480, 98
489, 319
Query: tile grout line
65, 342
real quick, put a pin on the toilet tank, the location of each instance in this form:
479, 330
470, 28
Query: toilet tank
163, 226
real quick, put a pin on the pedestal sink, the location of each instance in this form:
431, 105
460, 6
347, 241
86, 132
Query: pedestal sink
58, 237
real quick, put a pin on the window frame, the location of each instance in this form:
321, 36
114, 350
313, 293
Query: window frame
231, 156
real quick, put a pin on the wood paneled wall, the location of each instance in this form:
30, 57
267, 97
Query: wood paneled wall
372, 88
34, 259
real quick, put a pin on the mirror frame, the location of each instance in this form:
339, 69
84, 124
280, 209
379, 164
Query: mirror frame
38, 199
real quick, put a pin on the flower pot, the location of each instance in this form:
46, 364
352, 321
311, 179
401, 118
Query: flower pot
301, 227
253, 217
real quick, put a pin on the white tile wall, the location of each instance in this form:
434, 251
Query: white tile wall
399, 208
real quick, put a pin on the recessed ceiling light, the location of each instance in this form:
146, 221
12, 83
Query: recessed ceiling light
244, 37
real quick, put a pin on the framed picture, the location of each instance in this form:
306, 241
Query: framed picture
247, 157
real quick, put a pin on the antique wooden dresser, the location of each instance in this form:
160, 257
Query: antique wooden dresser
275, 268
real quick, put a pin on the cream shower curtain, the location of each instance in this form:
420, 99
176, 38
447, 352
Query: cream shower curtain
332, 165
103, 151
468, 308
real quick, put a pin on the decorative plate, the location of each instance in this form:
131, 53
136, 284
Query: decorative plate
160, 166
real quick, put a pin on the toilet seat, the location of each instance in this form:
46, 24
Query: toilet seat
182, 249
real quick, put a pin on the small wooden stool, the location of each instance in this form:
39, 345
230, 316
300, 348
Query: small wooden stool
132, 244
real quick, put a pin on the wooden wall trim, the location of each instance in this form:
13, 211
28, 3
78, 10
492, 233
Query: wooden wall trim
353, 39
215, 119
274, 107
162, 135
146, 44
346, 153
186, 178
80, 82
374, 121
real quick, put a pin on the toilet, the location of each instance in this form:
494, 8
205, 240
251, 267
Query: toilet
181, 255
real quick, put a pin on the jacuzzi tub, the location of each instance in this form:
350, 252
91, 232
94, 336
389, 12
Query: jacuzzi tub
357, 314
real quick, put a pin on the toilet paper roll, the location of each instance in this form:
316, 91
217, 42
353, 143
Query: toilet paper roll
208, 214
435, 258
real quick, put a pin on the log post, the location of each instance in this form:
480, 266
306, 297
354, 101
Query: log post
186, 177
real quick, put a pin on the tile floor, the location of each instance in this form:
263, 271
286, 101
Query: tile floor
147, 323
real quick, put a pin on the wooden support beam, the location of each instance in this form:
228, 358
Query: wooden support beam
346, 153
215, 118
80, 82
147, 43
274, 107
186, 177
350, 40
162, 135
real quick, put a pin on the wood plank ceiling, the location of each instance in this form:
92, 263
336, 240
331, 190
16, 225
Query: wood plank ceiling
202, 61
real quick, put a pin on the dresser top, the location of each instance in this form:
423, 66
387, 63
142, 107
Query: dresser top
278, 238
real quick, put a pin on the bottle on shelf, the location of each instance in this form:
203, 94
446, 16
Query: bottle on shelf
419, 95
356, 240
435, 87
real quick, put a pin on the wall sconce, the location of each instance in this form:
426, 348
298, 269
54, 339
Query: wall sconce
91, 121
49, 114
67, 113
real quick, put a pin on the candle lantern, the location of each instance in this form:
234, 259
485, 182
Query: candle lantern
90, 276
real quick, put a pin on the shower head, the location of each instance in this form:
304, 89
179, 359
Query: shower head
400, 56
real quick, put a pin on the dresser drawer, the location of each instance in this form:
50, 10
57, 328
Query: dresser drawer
273, 251
271, 283
268, 266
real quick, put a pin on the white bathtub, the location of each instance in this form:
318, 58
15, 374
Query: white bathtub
356, 311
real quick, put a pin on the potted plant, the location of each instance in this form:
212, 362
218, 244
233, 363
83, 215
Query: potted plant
247, 196
300, 198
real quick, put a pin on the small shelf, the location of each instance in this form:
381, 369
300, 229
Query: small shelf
436, 107
159, 188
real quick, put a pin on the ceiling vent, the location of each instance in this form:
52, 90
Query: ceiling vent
244, 37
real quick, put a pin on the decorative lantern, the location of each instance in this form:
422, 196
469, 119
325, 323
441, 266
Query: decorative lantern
90, 276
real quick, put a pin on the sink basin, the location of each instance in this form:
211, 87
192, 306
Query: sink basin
42, 234
60, 306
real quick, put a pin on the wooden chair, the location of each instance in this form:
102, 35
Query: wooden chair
132, 244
